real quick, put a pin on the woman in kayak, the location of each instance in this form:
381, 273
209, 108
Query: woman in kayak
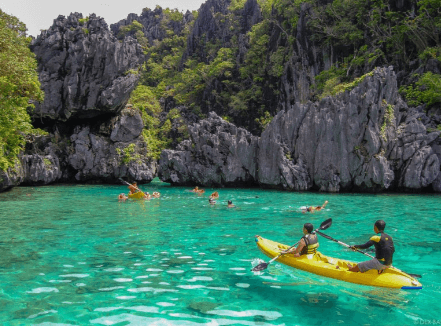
308, 244
384, 251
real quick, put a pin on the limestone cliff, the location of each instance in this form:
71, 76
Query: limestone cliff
84, 70
365, 139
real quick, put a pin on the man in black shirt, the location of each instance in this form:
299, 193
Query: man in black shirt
384, 250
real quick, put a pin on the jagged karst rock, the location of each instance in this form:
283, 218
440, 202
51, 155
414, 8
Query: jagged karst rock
213, 25
12, 177
94, 156
88, 155
41, 170
151, 21
216, 23
220, 154
128, 127
83, 69
351, 142
365, 139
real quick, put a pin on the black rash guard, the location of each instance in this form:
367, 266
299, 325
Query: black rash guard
384, 247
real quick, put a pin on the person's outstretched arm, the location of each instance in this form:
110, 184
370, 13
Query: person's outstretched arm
365, 246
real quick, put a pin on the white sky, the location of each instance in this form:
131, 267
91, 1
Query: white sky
40, 14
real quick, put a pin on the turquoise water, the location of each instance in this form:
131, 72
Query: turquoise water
74, 255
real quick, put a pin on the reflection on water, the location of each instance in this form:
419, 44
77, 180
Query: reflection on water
74, 255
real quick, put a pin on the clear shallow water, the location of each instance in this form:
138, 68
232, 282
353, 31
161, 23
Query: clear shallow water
74, 255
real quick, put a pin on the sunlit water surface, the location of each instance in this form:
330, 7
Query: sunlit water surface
74, 255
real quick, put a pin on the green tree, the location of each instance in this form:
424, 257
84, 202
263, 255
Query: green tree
18, 86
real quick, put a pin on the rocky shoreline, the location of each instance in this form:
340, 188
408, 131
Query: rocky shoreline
339, 144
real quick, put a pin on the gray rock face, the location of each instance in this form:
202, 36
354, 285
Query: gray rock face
219, 154
83, 69
213, 25
96, 156
41, 170
11, 178
128, 127
89, 155
365, 139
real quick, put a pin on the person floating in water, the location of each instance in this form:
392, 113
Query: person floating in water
308, 244
215, 195
384, 250
122, 197
197, 190
230, 204
147, 196
312, 209
156, 194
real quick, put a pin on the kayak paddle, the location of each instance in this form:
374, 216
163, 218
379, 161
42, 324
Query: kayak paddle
360, 251
326, 224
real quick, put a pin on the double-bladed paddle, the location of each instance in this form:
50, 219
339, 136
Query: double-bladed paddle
356, 249
326, 224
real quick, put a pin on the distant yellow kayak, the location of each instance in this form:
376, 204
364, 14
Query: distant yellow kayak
137, 195
337, 268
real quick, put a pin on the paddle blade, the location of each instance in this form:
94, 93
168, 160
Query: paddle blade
326, 224
260, 267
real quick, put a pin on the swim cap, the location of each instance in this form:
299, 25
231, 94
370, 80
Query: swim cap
380, 224
230, 202
309, 227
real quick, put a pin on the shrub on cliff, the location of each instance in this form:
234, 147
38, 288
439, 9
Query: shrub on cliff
18, 86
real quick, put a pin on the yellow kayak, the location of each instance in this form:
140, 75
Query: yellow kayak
137, 195
337, 268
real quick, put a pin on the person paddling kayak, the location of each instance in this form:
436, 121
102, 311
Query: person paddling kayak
308, 243
384, 250
133, 188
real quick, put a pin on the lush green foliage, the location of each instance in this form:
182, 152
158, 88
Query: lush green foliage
353, 36
236, 5
128, 154
18, 85
358, 35
426, 90
374, 33
333, 86
156, 133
